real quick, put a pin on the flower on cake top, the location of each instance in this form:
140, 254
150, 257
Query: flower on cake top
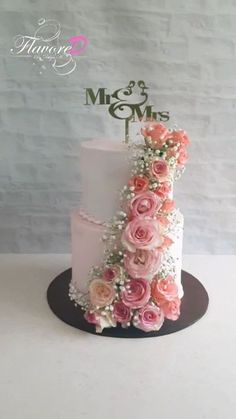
178, 137
156, 133
164, 290
136, 284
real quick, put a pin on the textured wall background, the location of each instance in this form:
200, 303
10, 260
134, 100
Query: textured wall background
186, 53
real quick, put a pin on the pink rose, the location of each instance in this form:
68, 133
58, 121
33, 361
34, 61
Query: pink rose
143, 263
159, 169
121, 312
141, 233
157, 132
168, 205
111, 273
163, 290
150, 318
183, 156
91, 318
101, 293
139, 183
163, 190
146, 204
171, 309
136, 293
179, 137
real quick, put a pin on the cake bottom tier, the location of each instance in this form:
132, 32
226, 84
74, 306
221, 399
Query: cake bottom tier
88, 250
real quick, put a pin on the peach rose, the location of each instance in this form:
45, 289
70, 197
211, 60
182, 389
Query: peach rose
141, 233
163, 290
179, 137
168, 205
157, 132
171, 309
163, 190
146, 204
150, 318
143, 263
121, 312
183, 156
140, 183
111, 273
159, 169
101, 293
136, 293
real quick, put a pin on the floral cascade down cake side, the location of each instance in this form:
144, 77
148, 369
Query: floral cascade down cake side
138, 280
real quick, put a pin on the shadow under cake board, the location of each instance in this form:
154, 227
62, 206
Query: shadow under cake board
193, 306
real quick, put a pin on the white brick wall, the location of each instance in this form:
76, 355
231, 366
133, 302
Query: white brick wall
184, 50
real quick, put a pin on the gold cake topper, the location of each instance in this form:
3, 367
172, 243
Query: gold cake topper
126, 104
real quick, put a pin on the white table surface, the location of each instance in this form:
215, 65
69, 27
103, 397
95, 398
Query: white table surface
49, 370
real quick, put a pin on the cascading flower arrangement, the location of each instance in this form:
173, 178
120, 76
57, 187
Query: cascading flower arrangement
136, 285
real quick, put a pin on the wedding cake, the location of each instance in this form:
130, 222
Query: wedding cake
127, 235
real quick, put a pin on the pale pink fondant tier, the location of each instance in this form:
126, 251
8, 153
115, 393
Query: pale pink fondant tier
87, 249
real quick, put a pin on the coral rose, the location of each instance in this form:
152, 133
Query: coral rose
101, 293
159, 169
121, 312
141, 233
136, 293
150, 318
179, 137
171, 309
163, 290
183, 156
168, 205
139, 183
143, 263
157, 132
163, 190
146, 203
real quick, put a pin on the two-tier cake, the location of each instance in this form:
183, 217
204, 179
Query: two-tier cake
127, 235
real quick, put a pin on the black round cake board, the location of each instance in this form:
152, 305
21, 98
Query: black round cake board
193, 306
